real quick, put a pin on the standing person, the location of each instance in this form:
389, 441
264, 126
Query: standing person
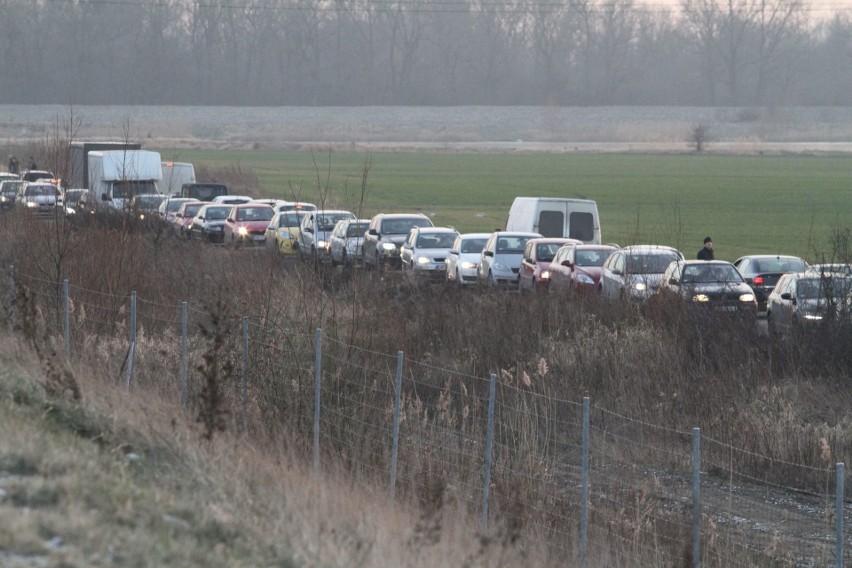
33, 165
14, 167
706, 253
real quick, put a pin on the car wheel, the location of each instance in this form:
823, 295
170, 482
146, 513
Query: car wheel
458, 278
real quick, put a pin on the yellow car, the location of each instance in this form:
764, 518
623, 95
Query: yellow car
282, 234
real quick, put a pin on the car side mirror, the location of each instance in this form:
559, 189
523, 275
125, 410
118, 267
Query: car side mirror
105, 197
308, 230
454, 252
567, 263
617, 272
786, 296
373, 232
674, 281
407, 246
488, 253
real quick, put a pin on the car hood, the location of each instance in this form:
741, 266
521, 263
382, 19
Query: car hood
470, 257
593, 272
511, 260
652, 281
719, 288
253, 225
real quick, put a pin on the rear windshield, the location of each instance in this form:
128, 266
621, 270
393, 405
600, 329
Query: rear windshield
779, 265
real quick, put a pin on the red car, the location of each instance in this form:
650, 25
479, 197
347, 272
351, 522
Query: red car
534, 273
182, 221
577, 268
247, 224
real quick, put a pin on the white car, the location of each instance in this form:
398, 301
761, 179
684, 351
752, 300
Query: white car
501, 258
464, 257
425, 251
345, 245
635, 272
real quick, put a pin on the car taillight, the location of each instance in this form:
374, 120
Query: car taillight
758, 280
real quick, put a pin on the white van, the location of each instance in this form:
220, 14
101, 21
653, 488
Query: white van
556, 217
175, 174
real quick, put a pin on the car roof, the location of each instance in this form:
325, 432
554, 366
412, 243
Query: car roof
563, 240
702, 262
401, 215
761, 256
649, 248
434, 229
327, 211
516, 234
474, 235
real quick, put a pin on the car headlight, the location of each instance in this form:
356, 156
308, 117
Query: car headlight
388, 246
423, 260
545, 275
747, 298
322, 244
467, 265
142, 216
242, 231
640, 286
700, 298
32, 204
585, 279
813, 317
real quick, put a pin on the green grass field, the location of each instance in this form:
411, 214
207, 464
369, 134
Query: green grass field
748, 204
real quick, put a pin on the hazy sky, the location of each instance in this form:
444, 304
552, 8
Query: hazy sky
819, 9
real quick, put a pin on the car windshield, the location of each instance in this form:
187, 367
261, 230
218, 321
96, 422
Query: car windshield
829, 287
254, 214
11, 188
291, 219
474, 246
436, 240
402, 226
40, 190
782, 265
173, 205
591, 257
126, 189
650, 263
149, 201
355, 230
712, 273
217, 213
546, 251
511, 245
192, 209
327, 221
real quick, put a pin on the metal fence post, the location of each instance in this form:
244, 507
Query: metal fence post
66, 320
131, 353
317, 375
396, 402
584, 503
244, 386
184, 356
489, 442
10, 306
838, 515
696, 497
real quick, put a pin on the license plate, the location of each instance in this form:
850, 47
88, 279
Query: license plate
441, 267
258, 237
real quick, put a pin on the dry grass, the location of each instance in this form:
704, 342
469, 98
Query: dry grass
652, 375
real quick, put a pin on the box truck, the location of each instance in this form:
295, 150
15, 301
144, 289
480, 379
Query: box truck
77, 175
175, 174
116, 176
556, 217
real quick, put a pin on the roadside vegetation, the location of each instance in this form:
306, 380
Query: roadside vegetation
251, 489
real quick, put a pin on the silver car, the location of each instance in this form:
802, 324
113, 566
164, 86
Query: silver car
501, 258
635, 272
346, 243
464, 258
800, 300
424, 254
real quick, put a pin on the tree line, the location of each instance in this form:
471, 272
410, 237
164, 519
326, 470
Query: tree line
424, 52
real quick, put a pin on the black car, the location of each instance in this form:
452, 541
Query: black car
714, 284
762, 272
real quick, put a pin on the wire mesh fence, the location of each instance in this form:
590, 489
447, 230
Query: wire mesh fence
529, 465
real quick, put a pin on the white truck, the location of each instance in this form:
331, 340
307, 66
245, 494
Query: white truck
175, 174
557, 217
116, 176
